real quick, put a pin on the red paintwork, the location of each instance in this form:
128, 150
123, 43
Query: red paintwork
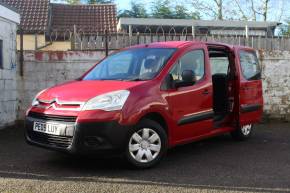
147, 97
250, 92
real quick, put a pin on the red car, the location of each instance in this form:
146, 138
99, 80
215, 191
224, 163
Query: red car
142, 100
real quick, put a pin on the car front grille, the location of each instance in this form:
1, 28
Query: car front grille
48, 139
51, 140
45, 117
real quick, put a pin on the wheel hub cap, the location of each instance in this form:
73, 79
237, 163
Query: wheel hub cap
144, 145
246, 130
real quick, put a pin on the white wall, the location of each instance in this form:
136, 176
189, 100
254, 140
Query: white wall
46, 69
10, 15
8, 91
276, 84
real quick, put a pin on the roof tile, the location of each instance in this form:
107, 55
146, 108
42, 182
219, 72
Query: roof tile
86, 18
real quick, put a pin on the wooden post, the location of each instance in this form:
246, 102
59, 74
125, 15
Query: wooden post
193, 32
35, 41
247, 35
73, 41
106, 43
138, 38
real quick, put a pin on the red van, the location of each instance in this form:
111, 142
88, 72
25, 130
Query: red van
142, 100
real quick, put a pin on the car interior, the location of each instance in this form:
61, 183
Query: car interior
221, 71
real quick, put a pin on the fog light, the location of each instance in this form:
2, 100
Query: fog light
94, 141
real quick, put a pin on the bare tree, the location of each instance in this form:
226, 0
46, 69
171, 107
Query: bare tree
211, 8
262, 10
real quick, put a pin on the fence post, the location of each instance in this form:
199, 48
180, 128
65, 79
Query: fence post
138, 38
193, 32
130, 34
35, 41
247, 35
106, 42
73, 40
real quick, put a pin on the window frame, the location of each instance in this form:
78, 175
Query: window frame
186, 52
256, 77
1, 54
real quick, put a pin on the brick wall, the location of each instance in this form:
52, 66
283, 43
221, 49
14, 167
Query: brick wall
276, 84
8, 92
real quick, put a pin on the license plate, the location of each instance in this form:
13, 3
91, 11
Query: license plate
48, 128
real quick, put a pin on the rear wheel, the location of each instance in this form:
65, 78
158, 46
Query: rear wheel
243, 132
147, 143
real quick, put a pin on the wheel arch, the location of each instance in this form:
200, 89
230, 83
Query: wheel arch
157, 117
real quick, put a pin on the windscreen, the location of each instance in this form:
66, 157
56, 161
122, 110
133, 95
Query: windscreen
131, 65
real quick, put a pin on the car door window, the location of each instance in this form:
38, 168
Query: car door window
193, 60
250, 65
219, 65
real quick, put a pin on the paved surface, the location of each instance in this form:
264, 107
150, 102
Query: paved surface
261, 164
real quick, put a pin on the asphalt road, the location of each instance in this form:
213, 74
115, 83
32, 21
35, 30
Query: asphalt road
261, 164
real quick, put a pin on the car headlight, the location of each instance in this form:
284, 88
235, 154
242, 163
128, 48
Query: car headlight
108, 102
35, 101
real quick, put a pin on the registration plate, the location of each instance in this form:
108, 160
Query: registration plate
48, 128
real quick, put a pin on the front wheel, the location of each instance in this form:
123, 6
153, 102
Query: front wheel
243, 132
147, 143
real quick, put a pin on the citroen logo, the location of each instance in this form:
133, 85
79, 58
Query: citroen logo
53, 102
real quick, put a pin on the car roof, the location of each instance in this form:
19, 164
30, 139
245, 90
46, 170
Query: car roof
167, 44
180, 44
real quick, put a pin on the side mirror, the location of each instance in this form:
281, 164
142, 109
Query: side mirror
188, 79
188, 76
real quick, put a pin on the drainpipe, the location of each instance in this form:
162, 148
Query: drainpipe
21, 57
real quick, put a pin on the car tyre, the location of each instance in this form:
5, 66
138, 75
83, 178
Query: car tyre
146, 144
243, 133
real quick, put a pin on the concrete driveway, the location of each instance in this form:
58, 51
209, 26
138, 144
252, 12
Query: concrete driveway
261, 164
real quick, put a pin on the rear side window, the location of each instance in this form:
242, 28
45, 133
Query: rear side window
250, 65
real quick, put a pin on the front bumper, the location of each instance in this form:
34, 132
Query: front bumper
89, 138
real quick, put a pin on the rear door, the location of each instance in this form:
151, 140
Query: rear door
250, 86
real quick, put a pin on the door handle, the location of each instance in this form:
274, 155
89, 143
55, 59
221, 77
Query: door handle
205, 92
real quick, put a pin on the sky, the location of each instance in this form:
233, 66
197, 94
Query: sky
123, 4
275, 4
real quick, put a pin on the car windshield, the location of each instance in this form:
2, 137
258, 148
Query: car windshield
131, 65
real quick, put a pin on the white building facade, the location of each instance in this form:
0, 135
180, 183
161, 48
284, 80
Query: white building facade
9, 20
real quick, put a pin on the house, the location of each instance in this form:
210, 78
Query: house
83, 19
196, 27
34, 20
9, 19
48, 26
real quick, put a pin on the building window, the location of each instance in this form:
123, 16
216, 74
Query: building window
1, 55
